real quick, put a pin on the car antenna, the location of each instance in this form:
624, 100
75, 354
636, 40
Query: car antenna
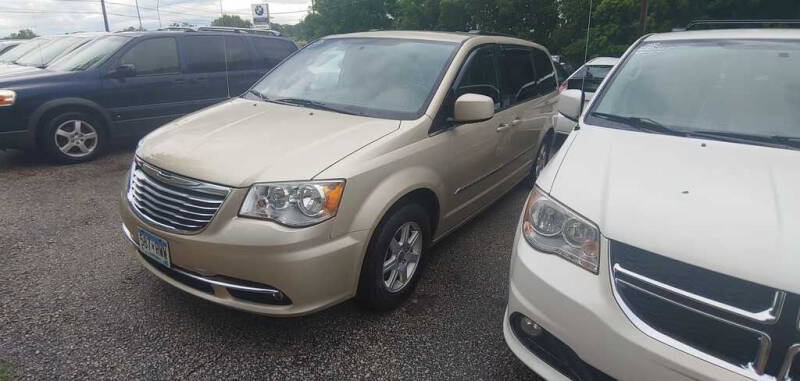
585, 59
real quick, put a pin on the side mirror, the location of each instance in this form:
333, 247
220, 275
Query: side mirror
123, 71
569, 104
473, 108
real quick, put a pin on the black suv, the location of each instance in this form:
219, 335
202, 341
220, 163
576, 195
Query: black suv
127, 84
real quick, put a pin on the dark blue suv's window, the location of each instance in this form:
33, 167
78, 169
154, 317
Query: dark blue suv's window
153, 56
237, 54
204, 54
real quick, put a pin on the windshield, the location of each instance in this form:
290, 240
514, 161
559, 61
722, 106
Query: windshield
90, 55
45, 54
731, 87
379, 77
22, 49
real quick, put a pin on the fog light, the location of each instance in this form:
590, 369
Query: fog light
529, 327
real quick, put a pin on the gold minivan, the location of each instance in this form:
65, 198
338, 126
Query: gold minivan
335, 173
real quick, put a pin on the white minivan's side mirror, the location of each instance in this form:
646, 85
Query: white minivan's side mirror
473, 108
569, 104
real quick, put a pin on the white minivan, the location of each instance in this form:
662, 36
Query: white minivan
662, 242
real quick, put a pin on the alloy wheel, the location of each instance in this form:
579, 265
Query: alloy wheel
402, 257
76, 138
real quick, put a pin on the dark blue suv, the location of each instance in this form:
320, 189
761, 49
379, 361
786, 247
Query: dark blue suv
127, 84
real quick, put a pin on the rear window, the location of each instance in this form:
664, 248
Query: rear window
545, 74
271, 51
519, 80
237, 54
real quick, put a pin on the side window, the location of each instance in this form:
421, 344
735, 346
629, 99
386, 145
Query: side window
546, 77
519, 80
479, 76
271, 51
237, 54
153, 56
204, 54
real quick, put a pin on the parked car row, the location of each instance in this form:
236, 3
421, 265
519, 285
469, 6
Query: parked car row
93, 88
659, 242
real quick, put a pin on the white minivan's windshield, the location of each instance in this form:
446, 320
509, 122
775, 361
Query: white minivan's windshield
742, 90
379, 77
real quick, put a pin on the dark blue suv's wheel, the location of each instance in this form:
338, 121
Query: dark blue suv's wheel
73, 137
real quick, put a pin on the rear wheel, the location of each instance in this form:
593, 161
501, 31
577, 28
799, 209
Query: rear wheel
73, 137
394, 258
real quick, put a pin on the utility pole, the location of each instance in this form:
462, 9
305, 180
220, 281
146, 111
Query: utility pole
158, 12
221, 13
643, 18
105, 16
140, 15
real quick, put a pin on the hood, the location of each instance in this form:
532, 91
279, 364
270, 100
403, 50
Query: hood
727, 207
37, 77
241, 142
14, 70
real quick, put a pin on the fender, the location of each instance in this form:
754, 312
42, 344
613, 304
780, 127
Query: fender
33, 122
391, 189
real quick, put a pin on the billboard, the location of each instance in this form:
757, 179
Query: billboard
260, 14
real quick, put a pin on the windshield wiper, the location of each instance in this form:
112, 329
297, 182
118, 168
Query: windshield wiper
312, 104
258, 94
735, 137
639, 123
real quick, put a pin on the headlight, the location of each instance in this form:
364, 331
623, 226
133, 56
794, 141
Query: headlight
551, 227
294, 204
7, 97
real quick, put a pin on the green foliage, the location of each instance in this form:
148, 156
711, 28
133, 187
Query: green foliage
559, 25
232, 21
5, 371
23, 34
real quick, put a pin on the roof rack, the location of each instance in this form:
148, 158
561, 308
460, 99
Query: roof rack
725, 24
485, 33
178, 29
265, 32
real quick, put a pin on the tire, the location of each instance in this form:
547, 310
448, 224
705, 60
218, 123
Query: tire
543, 156
381, 290
64, 144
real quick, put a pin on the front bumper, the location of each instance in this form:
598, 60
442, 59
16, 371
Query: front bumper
311, 269
579, 309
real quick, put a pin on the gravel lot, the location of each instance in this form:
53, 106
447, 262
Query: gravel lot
74, 304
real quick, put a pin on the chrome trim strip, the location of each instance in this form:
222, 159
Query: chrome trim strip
753, 370
788, 362
234, 286
181, 181
152, 184
492, 172
769, 316
144, 188
152, 198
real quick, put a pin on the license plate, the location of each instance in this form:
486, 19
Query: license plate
154, 246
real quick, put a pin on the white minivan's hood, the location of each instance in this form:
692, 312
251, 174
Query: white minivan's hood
731, 208
241, 142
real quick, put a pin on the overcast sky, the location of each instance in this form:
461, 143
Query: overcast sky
61, 16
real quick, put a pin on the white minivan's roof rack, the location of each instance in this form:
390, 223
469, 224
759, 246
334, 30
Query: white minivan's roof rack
753, 23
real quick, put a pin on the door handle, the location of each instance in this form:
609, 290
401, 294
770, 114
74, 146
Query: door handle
515, 121
503, 126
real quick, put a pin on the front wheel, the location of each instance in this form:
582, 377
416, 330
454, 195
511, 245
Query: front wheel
73, 137
394, 258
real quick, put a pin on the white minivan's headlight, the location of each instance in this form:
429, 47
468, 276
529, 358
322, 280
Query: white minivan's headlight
551, 227
295, 204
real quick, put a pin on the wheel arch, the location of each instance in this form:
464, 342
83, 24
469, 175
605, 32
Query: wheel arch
63, 104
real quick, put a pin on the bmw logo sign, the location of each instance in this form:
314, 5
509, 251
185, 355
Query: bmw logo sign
259, 10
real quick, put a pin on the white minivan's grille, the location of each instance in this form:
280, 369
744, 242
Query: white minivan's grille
173, 202
745, 327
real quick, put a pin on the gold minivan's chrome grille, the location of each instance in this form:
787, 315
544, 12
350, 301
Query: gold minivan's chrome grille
173, 202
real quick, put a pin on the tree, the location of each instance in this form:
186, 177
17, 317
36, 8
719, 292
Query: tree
23, 34
232, 21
